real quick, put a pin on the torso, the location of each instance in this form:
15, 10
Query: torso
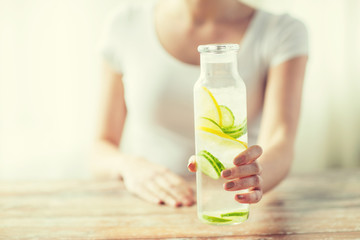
160, 67
188, 34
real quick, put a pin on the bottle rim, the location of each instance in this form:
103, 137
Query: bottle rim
218, 48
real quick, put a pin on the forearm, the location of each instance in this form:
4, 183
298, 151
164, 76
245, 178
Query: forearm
280, 118
276, 162
106, 160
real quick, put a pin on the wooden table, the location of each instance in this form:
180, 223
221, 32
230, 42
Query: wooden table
313, 206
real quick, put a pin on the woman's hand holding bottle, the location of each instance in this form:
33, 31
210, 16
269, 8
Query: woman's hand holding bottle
245, 175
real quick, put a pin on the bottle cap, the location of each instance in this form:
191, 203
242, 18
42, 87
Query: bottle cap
218, 48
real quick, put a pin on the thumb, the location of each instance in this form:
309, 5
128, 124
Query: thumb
192, 164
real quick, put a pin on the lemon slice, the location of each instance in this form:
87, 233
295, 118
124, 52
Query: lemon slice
208, 123
220, 138
209, 165
221, 144
209, 107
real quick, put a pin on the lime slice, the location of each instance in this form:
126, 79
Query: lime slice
209, 165
227, 117
235, 214
215, 219
208, 123
209, 107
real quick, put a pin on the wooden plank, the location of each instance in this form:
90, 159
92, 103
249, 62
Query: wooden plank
322, 206
307, 236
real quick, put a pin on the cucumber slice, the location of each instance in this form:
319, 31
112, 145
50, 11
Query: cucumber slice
236, 131
215, 219
235, 214
209, 165
219, 164
227, 117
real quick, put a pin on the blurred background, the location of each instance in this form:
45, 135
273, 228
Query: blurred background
50, 80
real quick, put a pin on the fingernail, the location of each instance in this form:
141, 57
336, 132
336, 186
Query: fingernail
240, 196
226, 173
239, 160
188, 202
229, 185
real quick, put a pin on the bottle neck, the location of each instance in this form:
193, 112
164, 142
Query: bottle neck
222, 65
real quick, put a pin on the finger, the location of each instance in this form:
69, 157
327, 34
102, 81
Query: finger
179, 192
185, 192
192, 164
155, 189
248, 156
175, 180
149, 196
178, 187
253, 196
242, 171
254, 181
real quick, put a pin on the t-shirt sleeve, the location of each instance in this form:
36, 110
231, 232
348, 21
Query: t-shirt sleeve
112, 38
291, 40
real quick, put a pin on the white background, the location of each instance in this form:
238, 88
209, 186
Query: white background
50, 79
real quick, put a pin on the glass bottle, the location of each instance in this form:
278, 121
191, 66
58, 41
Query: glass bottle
220, 132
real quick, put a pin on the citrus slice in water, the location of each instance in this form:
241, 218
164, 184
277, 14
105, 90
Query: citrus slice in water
221, 145
212, 219
208, 123
209, 165
227, 117
209, 107
220, 138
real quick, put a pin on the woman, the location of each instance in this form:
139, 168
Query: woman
151, 64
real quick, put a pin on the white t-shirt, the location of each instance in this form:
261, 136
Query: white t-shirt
159, 88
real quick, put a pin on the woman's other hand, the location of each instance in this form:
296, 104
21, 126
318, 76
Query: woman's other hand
245, 175
157, 184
